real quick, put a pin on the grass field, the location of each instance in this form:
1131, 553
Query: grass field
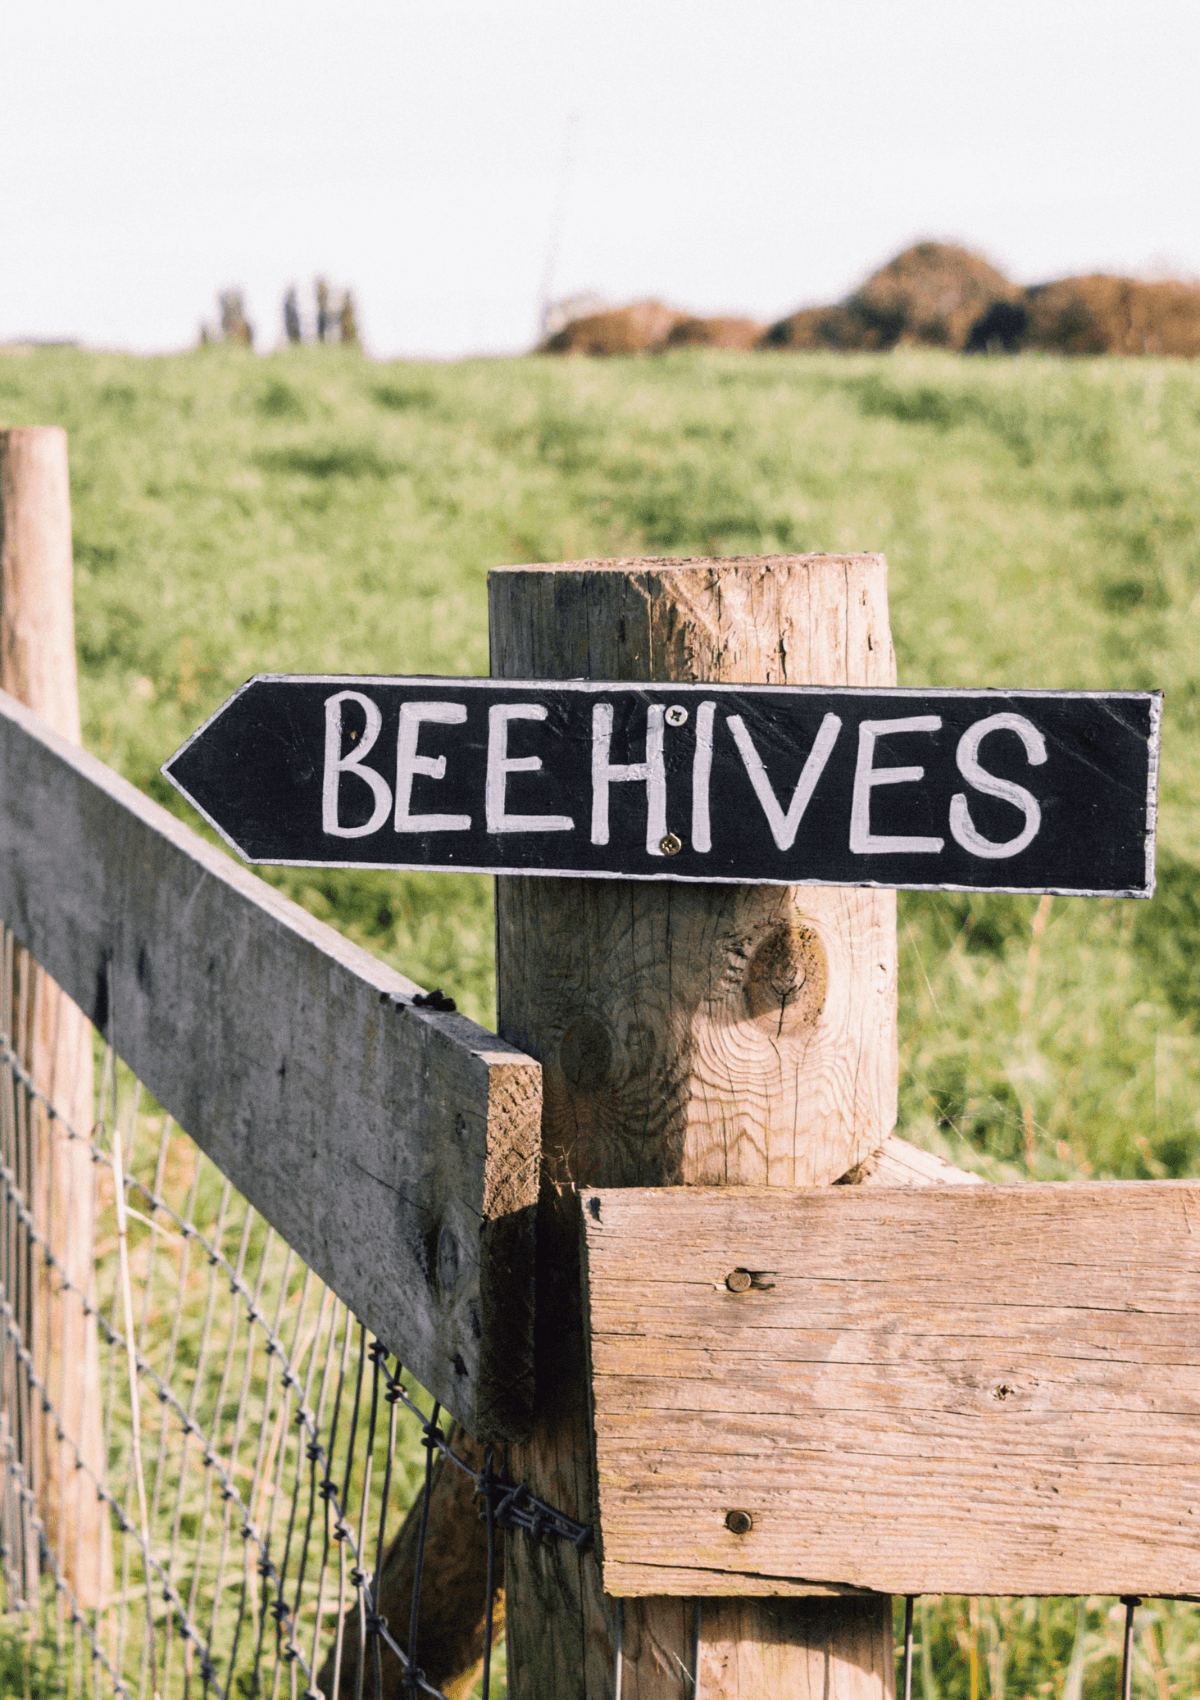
313, 511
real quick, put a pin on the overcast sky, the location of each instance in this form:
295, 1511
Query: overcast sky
456, 161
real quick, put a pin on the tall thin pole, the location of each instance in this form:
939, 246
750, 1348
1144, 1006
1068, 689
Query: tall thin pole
37, 665
1131, 1602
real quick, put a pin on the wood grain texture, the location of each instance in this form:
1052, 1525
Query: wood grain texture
456, 1571
395, 1148
899, 1163
968, 1390
766, 1054
37, 610
49, 1033
688, 1034
802, 1649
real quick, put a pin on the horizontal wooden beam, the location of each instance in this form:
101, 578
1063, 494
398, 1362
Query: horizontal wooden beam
394, 1147
952, 1389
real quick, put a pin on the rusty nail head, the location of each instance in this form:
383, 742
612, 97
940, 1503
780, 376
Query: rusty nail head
739, 1522
738, 1281
676, 714
670, 845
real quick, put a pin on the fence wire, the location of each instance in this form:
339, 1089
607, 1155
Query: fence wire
204, 1452
206, 1457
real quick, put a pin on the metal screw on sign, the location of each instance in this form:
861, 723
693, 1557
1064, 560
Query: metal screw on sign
676, 715
671, 845
1131, 1602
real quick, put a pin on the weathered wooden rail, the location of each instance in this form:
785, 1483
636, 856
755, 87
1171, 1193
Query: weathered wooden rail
968, 1390
394, 1147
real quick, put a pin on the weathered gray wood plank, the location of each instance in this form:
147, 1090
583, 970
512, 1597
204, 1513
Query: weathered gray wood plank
956, 1389
394, 1148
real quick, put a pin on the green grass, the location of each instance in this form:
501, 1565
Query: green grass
316, 512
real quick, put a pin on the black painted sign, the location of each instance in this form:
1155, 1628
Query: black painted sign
950, 789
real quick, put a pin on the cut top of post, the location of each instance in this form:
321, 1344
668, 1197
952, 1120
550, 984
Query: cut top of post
764, 619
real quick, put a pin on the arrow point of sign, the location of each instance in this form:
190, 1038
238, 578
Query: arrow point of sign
205, 757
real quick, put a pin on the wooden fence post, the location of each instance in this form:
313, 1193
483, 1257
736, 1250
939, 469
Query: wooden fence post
689, 1034
37, 666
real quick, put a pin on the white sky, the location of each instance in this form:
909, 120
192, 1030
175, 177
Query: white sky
446, 159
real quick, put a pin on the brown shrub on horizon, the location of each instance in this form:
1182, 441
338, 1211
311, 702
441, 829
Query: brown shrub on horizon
935, 294
1101, 314
932, 293
814, 328
637, 329
715, 333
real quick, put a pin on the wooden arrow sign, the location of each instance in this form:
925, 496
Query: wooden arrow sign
922, 789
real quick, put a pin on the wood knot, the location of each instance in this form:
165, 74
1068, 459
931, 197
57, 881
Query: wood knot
787, 979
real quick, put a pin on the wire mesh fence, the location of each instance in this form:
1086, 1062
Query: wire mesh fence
209, 1462
206, 1455
1021, 1648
